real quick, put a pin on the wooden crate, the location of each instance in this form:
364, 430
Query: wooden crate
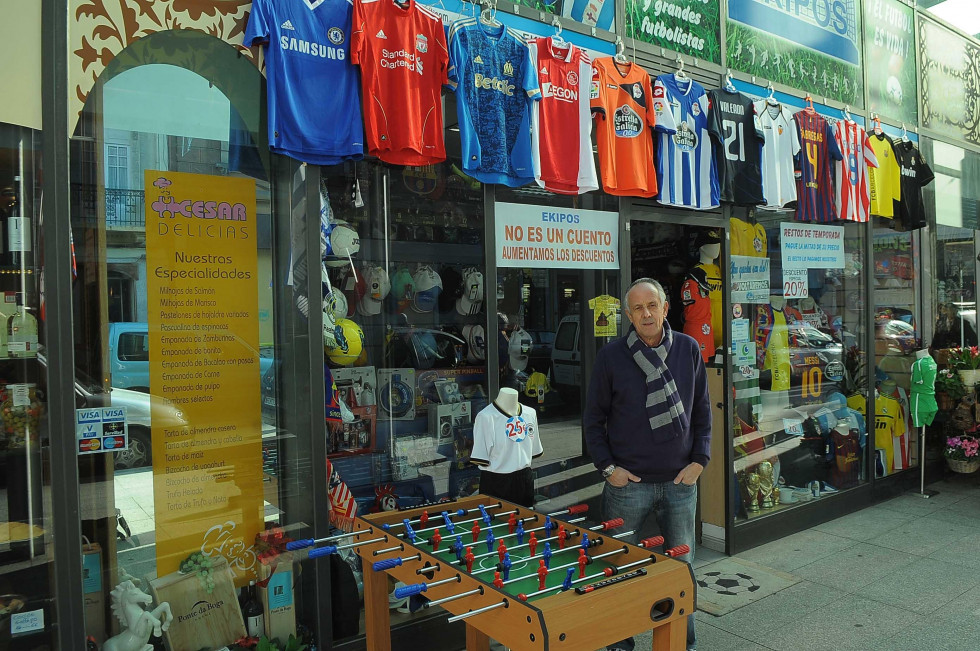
201, 620
278, 600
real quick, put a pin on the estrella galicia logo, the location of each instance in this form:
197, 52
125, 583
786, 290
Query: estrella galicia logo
627, 122
336, 35
686, 140
834, 371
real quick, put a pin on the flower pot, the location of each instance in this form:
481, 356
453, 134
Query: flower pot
964, 467
944, 401
969, 377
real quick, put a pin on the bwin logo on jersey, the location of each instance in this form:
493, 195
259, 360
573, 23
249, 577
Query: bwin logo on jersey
627, 122
494, 83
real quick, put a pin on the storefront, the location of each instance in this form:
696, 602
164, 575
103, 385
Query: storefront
181, 396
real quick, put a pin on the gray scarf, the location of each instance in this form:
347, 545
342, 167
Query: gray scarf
664, 406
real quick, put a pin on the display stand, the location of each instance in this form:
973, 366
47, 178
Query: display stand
922, 467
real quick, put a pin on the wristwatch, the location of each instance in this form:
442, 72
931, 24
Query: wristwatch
608, 470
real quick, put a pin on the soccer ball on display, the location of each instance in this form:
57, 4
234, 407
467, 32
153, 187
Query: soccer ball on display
893, 88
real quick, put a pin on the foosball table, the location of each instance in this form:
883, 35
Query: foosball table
531, 581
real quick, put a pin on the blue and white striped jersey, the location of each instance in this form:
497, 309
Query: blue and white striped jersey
687, 172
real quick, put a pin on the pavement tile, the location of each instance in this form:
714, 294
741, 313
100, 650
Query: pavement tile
797, 550
932, 633
704, 556
966, 511
865, 524
955, 483
854, 567
964, 607
923, 536
915, 505
851, 623
775, 611
922, 586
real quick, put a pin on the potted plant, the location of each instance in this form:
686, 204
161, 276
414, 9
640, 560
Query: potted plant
949, 389
962, 453
966, 361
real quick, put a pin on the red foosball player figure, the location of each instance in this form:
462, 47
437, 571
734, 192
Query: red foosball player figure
469, 558
476, 532
423, 518
542, 574
497, 581
562, 536
436, 539
501, 551
583, 560
511, 523
532, 543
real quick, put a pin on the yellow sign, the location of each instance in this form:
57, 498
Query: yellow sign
202, 305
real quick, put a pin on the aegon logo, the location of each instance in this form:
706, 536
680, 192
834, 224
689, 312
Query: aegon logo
494, 83
560, 92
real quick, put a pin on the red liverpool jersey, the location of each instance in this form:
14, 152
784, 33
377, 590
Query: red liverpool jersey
562, 120
402, 52
853, 194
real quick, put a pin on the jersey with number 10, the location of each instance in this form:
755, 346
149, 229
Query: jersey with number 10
814, 184
852, 188
734, 126
686, 169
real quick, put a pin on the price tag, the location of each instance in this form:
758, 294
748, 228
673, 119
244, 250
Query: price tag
21, 395
795, 283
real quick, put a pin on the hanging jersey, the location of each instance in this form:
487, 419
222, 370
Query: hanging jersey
814, 316
712, 278
916, 174
403, 58
622, 102
852, 198
686, 169
748, 238
491, 70
697, 312
782, 144
562, 121
814, 183
885, 180
889, 425
505, 444
309, 74
738, 147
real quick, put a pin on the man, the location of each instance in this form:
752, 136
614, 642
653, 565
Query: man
648, 424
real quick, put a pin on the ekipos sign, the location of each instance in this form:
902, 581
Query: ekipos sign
687, 26
890, 59
555, 238
808, 45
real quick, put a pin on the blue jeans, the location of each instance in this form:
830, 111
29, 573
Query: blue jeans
674, 506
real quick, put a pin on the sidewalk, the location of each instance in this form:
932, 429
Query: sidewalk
904, 574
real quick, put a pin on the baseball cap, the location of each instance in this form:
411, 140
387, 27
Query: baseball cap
452, 287
476, 343
377, 286
428, 286
402, 290
471, 302
343, 242
353, 287
518, 349
709, 236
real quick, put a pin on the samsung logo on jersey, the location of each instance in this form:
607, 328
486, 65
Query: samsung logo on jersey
311, 48
494, 83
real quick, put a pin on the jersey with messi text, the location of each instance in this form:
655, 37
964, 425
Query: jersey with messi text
309, 73
402, 52
491, 70
814, 183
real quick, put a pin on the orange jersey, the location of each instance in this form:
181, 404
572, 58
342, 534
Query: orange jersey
622, 103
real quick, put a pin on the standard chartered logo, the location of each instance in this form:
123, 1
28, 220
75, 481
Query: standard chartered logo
494, 83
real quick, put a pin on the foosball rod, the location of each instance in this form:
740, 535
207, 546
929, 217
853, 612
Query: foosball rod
426, 517
539, 542
303, 543
572, 510
330, 549
462, 522
419, 588
528, 531
621, 550
456, 618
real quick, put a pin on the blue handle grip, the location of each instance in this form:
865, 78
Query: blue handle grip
486, 516
460, 512
410, 590
322, 551
293, 545
387, 564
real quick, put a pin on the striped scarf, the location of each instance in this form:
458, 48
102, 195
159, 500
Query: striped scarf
664, 407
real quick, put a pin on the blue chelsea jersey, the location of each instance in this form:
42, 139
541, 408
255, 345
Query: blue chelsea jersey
490, 69
314, 90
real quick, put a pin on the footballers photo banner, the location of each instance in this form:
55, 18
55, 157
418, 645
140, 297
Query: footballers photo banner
817, 47
811, 246
555, 238
690, 27
890, 59
949, 79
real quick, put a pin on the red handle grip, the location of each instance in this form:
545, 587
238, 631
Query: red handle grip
656, 541
612, 524
680, 550
578, 508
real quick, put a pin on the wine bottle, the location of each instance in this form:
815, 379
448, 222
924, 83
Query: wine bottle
254, 615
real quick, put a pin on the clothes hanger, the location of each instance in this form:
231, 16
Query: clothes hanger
876, 121
620, 51
905, 133
680, 70
771, 100
729, 85
489, 14
809, 105
556, 38
846, 112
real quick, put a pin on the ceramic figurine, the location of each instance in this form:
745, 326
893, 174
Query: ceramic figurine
128, 603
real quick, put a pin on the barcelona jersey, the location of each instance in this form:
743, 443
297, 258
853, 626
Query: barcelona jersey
814, 184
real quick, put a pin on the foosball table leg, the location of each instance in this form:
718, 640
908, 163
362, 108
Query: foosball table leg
476, 640
671, 636
377, 619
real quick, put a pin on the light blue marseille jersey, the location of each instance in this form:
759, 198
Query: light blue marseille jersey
495, 80
687, 172
314, 91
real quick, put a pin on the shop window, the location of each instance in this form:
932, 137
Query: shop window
798, 363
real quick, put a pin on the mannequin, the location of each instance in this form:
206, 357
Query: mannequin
696, 299
846, 444
772, 341
923, 400
709, 248
505, 440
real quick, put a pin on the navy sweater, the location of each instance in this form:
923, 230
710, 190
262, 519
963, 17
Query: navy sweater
617, 428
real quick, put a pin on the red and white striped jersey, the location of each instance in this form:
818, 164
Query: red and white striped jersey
852, 192
561, 134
